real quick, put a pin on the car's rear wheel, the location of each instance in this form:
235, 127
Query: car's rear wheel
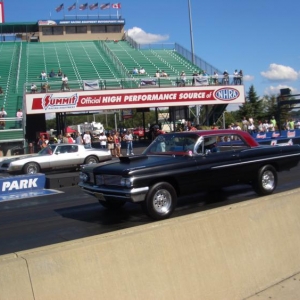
112, 204
31, 168
266, 181
91, 160
161, 201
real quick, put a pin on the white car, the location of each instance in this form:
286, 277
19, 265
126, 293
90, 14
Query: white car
55, 157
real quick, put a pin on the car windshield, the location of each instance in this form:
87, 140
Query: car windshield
173, 143
47, 150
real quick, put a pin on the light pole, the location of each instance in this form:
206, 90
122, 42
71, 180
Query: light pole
191, 32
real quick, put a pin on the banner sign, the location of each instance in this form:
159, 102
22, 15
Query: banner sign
79, 22
90, 85
133, 98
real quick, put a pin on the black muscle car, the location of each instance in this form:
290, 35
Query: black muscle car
183, 163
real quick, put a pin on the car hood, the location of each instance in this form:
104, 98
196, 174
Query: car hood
18, 158
139, 162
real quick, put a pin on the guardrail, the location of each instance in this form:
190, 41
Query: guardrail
138, 81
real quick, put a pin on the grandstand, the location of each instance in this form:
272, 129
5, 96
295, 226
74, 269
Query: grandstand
109, 62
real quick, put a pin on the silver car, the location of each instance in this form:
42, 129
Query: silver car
55, 157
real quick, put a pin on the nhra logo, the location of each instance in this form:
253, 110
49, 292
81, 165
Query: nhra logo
49, 102
19, 184
227, 94
291, 134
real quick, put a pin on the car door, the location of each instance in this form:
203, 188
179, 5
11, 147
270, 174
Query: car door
65, 156
220, 164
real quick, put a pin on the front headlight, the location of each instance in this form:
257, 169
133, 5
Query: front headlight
84, 177
128, 182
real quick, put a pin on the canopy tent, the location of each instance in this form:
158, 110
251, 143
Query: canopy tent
70, 130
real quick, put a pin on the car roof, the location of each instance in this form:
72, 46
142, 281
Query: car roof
243, 134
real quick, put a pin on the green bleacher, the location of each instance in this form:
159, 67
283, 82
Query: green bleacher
109, 62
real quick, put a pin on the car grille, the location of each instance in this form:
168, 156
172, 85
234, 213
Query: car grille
108, 180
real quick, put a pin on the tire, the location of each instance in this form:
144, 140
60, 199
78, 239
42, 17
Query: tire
91, 160
160, 201
31, 168
266, 181
112, 204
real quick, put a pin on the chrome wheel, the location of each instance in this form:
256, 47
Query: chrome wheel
31, 168
268, 180
162, 201
91, 160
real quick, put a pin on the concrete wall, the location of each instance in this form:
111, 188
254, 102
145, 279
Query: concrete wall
230, 252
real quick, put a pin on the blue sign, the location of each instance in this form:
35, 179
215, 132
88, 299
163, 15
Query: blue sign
22, 183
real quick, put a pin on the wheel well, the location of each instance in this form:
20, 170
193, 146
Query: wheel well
170, 180
94, 156
32, 162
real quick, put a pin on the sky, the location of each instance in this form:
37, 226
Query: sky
261, 37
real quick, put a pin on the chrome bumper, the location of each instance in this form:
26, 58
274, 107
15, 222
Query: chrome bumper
104, 194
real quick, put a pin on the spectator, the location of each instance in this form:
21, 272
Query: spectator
1, 91
3, 114
59, 73
190, 127
111, 144
103, 140
70, 139
245, 124
87, 139
291, 124
235, 77
19, 116
64, 84
43, 75
52, 74
78, 140
33, 88
117, 141
240, 77
157, 131
142, 71
164, 74
195, 76
225, 79
157, 74
251, 128
273, 120
129, 145
182, 78
216, 78
42, 142
265, 126
135, 71
271, 126
45, 87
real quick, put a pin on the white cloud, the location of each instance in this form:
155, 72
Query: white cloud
142, 37
280, 73
248, 78
275, 90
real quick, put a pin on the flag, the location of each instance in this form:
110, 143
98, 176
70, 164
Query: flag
72, 7
116, 5
94, 6
59, 8
83, 6
105, 6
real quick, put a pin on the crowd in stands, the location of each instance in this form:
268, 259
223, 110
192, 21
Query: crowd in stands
18, 121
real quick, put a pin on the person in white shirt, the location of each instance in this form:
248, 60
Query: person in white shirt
33, 88
103, 140
43, 75
87, 139
142, 70
128, 139
64, 83
3, 114
19, 116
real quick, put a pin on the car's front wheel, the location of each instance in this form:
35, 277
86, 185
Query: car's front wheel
266, 181
161, 201
91, 160
31, 168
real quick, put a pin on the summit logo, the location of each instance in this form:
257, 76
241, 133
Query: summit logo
50, 102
